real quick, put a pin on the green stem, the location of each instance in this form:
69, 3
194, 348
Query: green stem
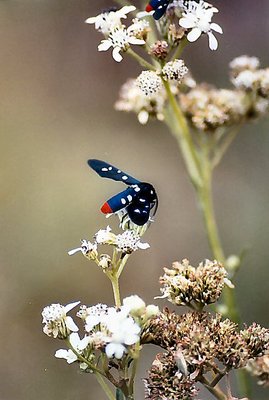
200, 172
215, 391
140, 60
116, 290
183, 43
223, 147
182, 134
122, 264
105, 387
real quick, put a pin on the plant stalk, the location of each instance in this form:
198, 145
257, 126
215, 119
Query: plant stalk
200, 171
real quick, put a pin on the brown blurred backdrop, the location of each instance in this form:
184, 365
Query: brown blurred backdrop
56, 111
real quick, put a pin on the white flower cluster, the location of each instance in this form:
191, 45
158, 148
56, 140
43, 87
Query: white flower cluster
248, 77
174, 70
116, 34
149, 82
57, 323
109, 329
197, 17
131, 98
126, 242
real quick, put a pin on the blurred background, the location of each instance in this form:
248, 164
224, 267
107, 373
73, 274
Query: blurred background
56, 111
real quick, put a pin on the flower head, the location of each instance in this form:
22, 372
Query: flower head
159, 49
166, 382
110, 19
197, 17
120, 39
210, 108
129, 241
184, 284
131, 98
174, 70
139, 28
126, 242
149, 82
244, 62
57, 323
88, 249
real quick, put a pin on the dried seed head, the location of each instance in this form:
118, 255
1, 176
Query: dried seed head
159, 49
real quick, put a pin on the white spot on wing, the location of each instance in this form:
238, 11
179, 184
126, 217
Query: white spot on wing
129, 197
119, 171
104, 169
124, 177
137, 211
123, 201
142, 200
110, 168
137, 189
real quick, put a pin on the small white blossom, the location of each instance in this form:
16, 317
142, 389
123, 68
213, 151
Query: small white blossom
95, 315
149, 82
246, 79
139, 28
244, 62
57, 323
262, 106
151, 311
138, 309
88, 249
197, 17
134, 304
105, 236
120, 39
108, 20
129, 241
78, 345
125, 331
174, 70
133, 99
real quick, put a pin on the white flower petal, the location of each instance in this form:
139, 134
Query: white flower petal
143, 246
194, 34
216, 27
70, 306
61, 353
143, 14
91, 20
125, 10
68, 355
213, 43
71, 324
186, 23
116, 54
104, 45
131, 339
84, 343
134, 40
74, 340
74, 251
115, 349
143, 117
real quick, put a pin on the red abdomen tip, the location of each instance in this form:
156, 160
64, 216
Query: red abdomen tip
149, 8
106, 209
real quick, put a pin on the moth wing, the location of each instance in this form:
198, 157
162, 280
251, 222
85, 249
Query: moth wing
106, 170
119, 201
